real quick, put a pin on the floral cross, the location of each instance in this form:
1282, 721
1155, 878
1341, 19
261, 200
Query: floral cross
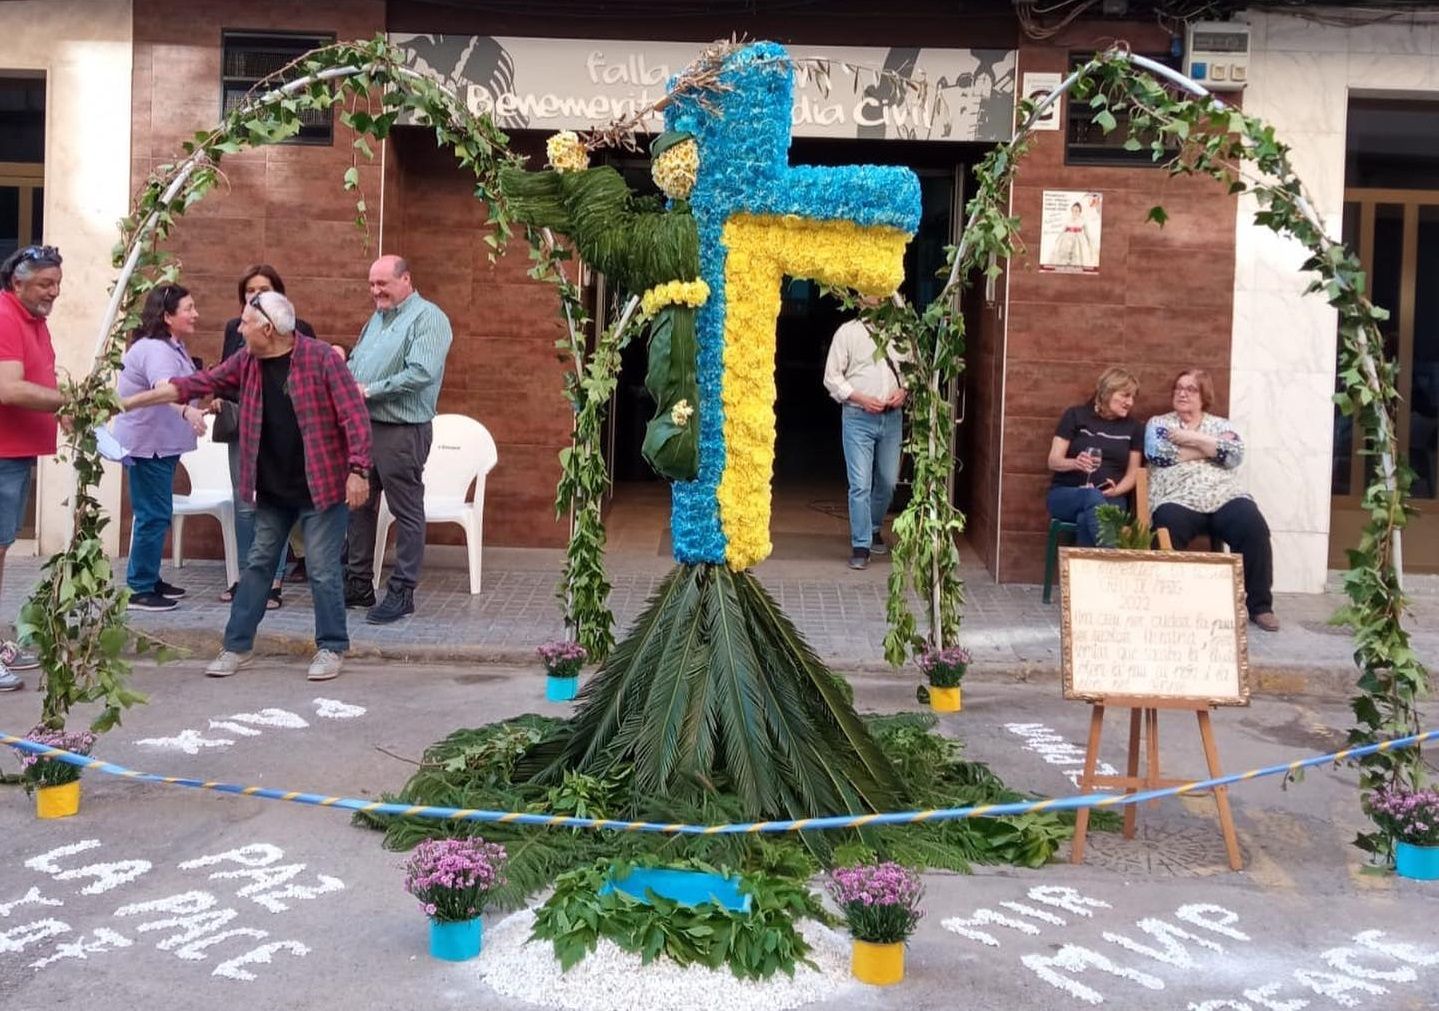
761, 219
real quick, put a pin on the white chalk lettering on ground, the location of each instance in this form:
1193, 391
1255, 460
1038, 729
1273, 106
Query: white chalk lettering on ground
187, 924
1056, 750
1190, 946
190, 741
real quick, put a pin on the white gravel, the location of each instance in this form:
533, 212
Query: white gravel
611, 978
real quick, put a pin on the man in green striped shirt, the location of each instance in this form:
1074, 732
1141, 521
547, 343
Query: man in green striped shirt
399, 363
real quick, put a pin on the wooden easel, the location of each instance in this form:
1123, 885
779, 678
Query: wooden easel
1146, 711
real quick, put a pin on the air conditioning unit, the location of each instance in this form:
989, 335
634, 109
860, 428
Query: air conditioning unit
1216, 54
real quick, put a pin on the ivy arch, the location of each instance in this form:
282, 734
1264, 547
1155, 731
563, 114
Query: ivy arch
76, 616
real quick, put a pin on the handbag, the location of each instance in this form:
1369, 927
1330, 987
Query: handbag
227, 423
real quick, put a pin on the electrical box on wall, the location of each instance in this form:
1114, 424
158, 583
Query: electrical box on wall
1216, 54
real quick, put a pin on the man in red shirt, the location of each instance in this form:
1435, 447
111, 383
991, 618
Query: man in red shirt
304, 456
29, 286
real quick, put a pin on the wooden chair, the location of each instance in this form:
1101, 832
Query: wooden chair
1058, 529
1141, 510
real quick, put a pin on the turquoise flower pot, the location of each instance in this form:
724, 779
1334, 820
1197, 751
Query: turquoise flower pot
1418, 862
688, 888
456, 942
561, 689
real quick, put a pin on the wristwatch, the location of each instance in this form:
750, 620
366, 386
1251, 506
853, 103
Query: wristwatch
363, 472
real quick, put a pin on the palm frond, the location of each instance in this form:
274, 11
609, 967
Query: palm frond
683, 661
738, 704
866, 766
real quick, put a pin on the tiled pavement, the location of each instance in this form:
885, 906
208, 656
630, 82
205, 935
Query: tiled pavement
1009, 630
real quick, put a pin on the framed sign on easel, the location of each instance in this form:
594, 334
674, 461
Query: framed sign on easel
1152, 630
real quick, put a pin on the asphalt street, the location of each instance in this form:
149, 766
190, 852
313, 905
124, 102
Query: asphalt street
164, 898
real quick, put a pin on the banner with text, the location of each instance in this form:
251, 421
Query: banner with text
575, 84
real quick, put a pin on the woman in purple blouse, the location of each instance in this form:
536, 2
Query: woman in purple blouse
156, 437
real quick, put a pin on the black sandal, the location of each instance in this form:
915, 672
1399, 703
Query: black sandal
229, 594
274, 603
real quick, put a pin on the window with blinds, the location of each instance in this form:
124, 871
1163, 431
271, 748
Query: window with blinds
1088, 144
250, 57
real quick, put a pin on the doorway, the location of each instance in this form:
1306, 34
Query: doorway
810, 517
22, 186
1391, 216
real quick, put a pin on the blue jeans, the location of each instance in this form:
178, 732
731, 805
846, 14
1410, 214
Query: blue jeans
871, 459
324, 532
1077, 506
152, 499
245, 517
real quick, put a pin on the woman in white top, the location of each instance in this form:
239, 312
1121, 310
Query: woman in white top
1193, 487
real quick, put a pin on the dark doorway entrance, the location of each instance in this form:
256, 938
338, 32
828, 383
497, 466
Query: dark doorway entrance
810, 518
22, 184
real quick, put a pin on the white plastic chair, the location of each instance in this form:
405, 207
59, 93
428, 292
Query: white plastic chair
462, 450
211, 494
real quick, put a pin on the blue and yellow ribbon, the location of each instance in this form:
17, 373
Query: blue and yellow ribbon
1091, 800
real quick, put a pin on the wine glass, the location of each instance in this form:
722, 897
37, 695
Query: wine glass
1094, 456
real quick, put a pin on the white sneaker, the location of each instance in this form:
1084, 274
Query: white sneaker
14, 658
9, 681
325, 666
227, 663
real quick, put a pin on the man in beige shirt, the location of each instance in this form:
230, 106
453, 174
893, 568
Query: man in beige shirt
868, 384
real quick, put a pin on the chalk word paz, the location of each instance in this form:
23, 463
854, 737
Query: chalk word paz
1196, 939
190, 741
1056, 750
188, 924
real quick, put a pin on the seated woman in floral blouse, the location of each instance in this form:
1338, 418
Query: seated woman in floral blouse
1193, 488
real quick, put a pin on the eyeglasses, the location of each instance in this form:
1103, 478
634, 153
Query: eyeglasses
1186, 389
255, 304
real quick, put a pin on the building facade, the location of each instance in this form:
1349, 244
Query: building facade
1209, 289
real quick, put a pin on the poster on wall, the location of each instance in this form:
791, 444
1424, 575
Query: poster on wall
1070, 232
1036, 88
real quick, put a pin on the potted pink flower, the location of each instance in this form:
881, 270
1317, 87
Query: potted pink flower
55, 784
880, 903
563, 659
452, 879
1412, 818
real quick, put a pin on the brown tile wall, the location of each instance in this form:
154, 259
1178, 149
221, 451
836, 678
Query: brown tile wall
503, 368
985, 367
1162, 300
285, 205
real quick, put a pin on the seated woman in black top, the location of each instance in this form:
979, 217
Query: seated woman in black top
1095, 454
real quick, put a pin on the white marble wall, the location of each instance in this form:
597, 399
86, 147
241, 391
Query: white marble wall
1301, 76
85, 49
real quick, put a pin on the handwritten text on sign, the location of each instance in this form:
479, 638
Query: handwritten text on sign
1146, 624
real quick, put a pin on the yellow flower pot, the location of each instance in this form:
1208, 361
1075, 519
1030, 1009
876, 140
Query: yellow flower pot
944, 700
57, 801
877, 964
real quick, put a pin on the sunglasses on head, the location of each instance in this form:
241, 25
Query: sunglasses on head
38, 254
255, 304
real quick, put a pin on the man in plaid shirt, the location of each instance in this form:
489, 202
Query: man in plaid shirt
304, 456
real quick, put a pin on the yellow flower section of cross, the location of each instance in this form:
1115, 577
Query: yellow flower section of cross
691, 293
761, 250
676, 169
566, 153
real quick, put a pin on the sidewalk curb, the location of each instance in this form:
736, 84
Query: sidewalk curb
1278, 680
